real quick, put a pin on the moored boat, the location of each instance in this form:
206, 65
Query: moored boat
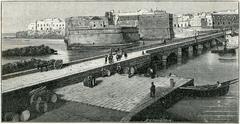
227, 59
208, 90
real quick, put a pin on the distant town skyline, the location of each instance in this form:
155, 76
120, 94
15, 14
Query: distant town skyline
17, 15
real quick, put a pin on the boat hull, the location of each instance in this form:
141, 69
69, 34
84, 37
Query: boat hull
208, 90
208, 93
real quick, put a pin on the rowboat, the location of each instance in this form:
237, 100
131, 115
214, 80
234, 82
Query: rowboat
208, 90
227, 58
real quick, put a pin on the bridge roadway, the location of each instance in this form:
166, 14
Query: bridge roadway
29, 80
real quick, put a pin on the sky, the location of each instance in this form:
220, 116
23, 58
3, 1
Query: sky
17, 15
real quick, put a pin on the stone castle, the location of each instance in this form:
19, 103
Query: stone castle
117, 29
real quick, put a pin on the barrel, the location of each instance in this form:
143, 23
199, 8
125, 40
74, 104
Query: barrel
41, 106
108, 73
10, 116
132, 70
54, 98
25, 115
126, 70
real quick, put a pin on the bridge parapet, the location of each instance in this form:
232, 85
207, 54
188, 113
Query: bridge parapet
185, 42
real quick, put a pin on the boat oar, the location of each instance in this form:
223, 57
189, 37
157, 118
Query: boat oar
233, 82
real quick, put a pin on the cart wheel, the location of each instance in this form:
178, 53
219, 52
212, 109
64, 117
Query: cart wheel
54, 98
25, 115
10, 116
16, 118
58, 64
37, 103
32, 99
132, 70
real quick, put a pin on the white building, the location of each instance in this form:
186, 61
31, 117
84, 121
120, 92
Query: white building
209, 20
47, 25
183, 21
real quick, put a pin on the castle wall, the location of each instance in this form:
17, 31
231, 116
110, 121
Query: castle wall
103, 36
97, 39
155, 26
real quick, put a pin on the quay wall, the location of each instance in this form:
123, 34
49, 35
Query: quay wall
154, 109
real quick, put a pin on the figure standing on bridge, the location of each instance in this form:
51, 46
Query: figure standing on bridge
125, 55
164, 41
152, 90
106, 58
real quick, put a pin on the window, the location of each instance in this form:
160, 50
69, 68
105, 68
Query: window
218, 23
57, 25
38, 25
41, 25
41, 28
94, 25
53, 24
44, 25
47, 28
223, 23
229, 23
47, 24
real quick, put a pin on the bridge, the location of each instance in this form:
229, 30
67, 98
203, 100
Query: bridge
158, 56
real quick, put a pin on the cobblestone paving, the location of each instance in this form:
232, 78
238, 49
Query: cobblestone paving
117, 92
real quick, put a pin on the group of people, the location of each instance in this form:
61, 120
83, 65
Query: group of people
119, 53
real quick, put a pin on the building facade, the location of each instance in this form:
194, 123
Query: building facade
225, 20
47, 25
183, 21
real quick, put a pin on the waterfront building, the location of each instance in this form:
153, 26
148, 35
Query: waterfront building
209, 20
183, 21
47, 25
226, 19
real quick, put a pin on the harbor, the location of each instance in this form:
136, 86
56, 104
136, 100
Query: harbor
64, 88
126, 62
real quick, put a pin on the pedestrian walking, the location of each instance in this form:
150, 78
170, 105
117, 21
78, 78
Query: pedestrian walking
125, 55
106, 58
152, 90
